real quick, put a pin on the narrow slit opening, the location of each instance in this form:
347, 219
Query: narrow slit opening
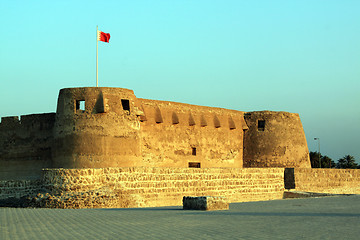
194, 165
193, 151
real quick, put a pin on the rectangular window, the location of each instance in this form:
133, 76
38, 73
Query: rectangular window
80, 105
194, 165
261, 125
193, 151
125, 104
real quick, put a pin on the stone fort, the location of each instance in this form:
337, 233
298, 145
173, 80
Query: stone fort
104, 147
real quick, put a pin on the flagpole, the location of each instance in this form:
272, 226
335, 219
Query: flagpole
97, 50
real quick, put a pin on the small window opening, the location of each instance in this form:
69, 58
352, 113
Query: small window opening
261, 125
194, 151
125, 104
194, 165
80, 105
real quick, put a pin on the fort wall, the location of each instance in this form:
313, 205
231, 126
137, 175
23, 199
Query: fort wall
178, 135
151, 187
116, 129
110, 127
25, 145
337, 181
275, 139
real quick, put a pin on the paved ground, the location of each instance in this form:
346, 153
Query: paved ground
315, 218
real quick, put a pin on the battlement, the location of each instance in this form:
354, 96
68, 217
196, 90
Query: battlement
32, 122
94, 100
9, 122
183, 115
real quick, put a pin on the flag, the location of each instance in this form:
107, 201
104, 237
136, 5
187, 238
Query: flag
104, 37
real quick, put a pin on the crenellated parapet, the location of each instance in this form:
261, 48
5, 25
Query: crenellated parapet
9, 123
181, 114
32, 122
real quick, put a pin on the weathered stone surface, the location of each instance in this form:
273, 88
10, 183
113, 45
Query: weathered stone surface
205, 203
147, 187
275, 139
336, 181
151, 187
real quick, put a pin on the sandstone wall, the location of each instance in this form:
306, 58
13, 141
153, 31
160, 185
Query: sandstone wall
150, 187
116, 129
275, 139
338, 181
176, 134
19, 188
25, 145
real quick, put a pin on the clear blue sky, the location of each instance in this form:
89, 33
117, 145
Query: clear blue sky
297, 56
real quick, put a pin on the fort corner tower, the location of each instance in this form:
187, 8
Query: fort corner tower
96, 127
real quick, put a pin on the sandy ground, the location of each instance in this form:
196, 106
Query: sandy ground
312, 218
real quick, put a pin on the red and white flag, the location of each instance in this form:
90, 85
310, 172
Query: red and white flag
104, 37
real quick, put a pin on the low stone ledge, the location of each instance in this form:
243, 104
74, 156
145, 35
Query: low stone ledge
300, 194
205, 203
